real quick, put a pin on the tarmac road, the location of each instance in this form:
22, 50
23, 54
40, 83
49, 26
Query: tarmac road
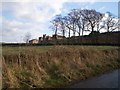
107, 80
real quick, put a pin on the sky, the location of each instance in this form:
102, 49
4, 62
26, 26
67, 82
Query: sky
21, 16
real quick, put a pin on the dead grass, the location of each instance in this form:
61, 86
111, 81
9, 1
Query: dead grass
56, 66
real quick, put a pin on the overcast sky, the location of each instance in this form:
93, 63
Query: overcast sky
21, 16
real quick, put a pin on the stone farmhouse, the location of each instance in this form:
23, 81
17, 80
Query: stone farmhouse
106, 38
34, 41
46, 39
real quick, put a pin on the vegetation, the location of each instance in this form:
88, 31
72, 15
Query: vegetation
22, 49
55, 66
58, 66
27, 37
78, 21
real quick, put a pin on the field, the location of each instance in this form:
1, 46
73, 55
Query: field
55, 66
17, 50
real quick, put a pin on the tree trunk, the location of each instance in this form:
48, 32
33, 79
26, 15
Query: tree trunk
56, 30
92, 28
79, 31
82, 32
107, 29
63, 34
69, 32
55, 35
73, 29
69, 37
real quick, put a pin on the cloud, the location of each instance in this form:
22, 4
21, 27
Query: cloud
27, 16
21, 16
14, 31
41, 11
34, 11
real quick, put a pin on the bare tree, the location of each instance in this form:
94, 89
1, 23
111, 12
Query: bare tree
77, 19
111, 23
55, 24
74, 17
93, 17
99, 26
82, 23
27, 37
81, 20
118, 24
61, 25
67, 23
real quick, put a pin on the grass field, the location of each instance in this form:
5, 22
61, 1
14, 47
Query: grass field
55, 66
39, 49
17, 50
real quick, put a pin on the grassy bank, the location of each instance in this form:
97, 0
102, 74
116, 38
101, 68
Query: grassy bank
55, 66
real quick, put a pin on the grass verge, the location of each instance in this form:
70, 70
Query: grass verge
55, 66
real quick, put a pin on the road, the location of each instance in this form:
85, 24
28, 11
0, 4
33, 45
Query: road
107, 80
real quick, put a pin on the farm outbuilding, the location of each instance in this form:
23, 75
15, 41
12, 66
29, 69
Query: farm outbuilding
34, 41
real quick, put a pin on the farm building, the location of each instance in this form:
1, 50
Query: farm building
34, 41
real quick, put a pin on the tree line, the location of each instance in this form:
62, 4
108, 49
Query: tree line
78, 21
